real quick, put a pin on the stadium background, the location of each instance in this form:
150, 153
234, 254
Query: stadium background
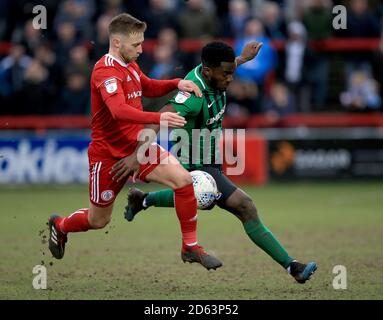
312, 108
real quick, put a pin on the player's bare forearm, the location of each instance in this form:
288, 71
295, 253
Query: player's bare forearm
249, 52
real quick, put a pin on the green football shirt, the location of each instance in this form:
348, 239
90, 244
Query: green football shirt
197, 143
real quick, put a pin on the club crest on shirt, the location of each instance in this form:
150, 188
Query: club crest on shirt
110, 85
107, 195
182, 96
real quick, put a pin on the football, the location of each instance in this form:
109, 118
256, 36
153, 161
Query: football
205, 189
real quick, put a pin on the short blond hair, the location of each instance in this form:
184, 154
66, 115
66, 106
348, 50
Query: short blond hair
125, 24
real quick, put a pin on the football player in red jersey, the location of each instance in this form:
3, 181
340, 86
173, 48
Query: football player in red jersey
117, 84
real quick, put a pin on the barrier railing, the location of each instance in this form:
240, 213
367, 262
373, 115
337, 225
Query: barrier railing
335, 120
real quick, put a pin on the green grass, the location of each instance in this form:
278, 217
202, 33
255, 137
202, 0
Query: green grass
332, 223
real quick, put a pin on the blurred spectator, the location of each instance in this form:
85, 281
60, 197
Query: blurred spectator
279, 103
294, 10
47, 57
101, 43
111, 8
158, 16
4, 19
318, 22
273, 21
295, 52
362, 93
30, 37
78, 61
66, 34
77, 12
74, 98
233, 25
378, 66
168, 37
37, 91
361, 23
58, 51
242, 99
222, 7
12, 70
196, 22
257, 69
295, 64
164, 66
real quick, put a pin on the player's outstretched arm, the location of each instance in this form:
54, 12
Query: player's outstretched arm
159, 88
122, 111
249, 52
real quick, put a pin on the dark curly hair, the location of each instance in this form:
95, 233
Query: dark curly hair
216, 52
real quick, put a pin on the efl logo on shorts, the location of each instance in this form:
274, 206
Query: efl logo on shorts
107, 195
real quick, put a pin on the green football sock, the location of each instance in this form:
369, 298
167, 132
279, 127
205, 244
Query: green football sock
162, 198
264, 239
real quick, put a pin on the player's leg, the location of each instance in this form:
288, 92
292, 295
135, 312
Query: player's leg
241, 205
171, 174
139, 200
102, 193
79, 221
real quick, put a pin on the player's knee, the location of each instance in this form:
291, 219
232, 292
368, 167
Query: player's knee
247, 209
182, 180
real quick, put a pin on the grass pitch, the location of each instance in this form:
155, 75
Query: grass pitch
331, 223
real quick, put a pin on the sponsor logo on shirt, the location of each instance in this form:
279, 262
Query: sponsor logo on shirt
210, 104
134, 95
217, 116
182, 96
111, 85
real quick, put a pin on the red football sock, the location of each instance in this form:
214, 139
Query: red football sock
186, 208
76, 222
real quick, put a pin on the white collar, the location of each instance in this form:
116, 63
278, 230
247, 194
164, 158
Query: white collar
118, 60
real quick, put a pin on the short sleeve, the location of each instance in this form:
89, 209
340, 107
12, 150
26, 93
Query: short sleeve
187, 104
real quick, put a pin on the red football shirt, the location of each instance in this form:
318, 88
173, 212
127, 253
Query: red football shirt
117, 113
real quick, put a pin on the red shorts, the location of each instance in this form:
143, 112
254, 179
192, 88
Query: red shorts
103, 190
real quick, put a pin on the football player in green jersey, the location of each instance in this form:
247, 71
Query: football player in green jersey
213, 77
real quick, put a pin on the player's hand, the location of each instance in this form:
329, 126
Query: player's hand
172, 119
126, 167
249, 52
189, 86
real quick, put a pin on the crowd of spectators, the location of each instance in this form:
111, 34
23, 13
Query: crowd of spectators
47, 71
